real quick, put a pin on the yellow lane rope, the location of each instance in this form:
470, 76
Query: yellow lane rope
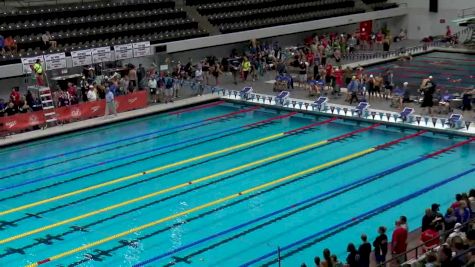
201, 207
140, 174
166, 190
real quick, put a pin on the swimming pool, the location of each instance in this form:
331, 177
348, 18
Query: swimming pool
451, 71
219, 184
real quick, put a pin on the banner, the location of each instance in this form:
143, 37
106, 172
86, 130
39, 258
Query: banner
123, 51
23, 121
142, 49
101, 54
55, 61
27, 62
131, 101
81, 58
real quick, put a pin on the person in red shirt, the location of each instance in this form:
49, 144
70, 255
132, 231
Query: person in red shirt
448, 33
15, 96
399, 242
429, 238
339, 77
328, 73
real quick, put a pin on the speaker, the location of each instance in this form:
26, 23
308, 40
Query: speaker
434, 6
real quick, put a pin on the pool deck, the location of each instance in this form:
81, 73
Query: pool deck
99, 121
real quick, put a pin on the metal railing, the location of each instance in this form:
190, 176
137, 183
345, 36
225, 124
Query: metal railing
416, 249
467, 12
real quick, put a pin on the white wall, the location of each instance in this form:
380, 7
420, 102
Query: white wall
422, 23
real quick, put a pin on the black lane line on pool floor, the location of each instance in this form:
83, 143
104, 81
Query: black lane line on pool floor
38, 214
125, 243
48, 238
111, 149
134, 161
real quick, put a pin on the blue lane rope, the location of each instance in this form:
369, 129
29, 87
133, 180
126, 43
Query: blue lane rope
119, 158
361, 216
203, 121
292, 206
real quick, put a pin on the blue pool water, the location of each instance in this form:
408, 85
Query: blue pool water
42, 174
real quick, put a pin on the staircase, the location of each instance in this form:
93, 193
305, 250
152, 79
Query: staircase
203, 22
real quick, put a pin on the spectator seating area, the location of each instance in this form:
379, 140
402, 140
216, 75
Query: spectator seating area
232, 16
379, 4
83, 26
95, 25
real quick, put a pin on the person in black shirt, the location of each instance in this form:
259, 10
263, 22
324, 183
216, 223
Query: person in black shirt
380, 245
352, 258
11, 109
364, 251
427, 220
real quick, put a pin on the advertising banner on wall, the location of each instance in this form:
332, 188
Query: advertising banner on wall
142, 49
55, 61
101, 54
123, 51
81, 57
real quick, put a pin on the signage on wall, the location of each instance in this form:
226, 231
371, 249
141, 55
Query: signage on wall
55, 61
27, 62
442, 21
101, 54
123, 51
142, 49
81, 57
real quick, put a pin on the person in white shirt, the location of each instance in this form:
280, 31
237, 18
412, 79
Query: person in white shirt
199, 80
152, 86
91, 94
48, 40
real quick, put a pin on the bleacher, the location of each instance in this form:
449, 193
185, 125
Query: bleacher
101, 24
232, 16
83, 26
379, 4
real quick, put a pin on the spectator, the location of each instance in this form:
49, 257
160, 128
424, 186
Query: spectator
457, 232
403, 220
316, 260
2, 46
445, 256
431, 260
462, 213
11, 109
427, 219
458, 198
471, 199
15, 96
3, 106
48, 41
336, 262
140, 75
364, 252
73, 93
132, 79
398, 243
91, 94
450, 219
327, 260
380, 245
438, 218
429, 238
152, 86
23, 107
352, 258
353, 90
199, 80
458, 260
110, 103
10, 45
169, 83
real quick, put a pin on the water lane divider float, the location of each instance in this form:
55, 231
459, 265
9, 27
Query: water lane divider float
207, 205
359, 218
203, 121
102, 128
164, 167
189, 183
287, 208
